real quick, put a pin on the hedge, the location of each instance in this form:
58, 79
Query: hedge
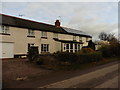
66, 56
89, 57
79, 57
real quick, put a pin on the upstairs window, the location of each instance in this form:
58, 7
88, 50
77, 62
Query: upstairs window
56, 35
74, 38
4, 29
44, 34
31, 32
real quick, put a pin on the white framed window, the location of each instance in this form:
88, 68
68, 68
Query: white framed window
55, 35
74, 38
44, 48
71, 47
43, 34
31, 32
64, 46
80, 39
67, 47
4, 29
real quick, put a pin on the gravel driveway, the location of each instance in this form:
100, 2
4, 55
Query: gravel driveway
15, 69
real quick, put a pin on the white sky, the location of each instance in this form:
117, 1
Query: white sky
90, 17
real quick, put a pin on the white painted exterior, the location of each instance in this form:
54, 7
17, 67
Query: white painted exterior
20, 41
7, 50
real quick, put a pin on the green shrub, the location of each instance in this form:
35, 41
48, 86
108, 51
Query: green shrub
39, 61
106, 51
89, 57
66, 56
46, 60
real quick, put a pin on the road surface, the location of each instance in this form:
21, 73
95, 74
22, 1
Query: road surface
106, 77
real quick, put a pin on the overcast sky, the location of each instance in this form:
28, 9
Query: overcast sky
90, 17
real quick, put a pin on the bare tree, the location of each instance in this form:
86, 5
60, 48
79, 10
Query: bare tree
110, 36
105, 36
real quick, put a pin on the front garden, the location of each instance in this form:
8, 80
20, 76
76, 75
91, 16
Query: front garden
85, 58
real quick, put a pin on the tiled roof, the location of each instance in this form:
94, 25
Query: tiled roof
74, 31
29, 24
23, 23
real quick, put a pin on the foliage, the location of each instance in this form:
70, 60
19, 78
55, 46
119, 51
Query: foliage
111, 50
89, 57
88, 65
86, 50
39, 61
86, 55
66, 56
115, 47
105, 49
46, 60
104, 36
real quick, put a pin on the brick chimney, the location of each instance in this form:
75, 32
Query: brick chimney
57, 23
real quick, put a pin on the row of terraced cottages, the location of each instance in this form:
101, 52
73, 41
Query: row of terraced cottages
18, 34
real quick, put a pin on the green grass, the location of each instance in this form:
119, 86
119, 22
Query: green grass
88, 65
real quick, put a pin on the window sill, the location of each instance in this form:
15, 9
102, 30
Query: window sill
31, 36
4, 34
44, 37
45, 52
55, 38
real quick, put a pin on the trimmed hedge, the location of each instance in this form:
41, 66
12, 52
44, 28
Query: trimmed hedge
86, 50
86, 55
79, 57
89, 57
106, 51
66, 56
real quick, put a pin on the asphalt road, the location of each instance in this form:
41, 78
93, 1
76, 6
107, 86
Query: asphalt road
106, 77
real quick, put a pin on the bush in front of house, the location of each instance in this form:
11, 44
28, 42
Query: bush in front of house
46, 60
62, 59
39, 60
89, 57
115, 47
86, 50
66, 56
86, 55
106, 51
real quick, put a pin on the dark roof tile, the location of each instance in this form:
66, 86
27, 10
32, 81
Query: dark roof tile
29, 24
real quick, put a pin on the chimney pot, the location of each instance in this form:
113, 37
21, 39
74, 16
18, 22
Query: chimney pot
57, 23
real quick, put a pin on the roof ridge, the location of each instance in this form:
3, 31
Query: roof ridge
26, 19
73, 29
